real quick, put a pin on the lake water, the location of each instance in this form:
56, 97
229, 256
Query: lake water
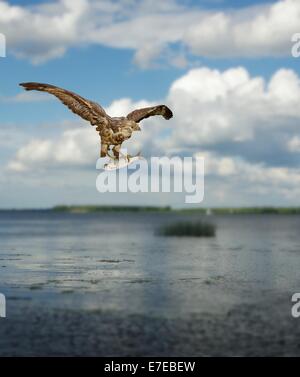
115, 263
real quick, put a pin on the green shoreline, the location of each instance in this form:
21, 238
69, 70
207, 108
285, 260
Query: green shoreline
93, 208
82, 209
206, 211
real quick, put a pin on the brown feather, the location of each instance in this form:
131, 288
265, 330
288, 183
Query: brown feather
140, 114
86, 109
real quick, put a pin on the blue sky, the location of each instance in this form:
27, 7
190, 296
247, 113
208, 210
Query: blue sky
240, 50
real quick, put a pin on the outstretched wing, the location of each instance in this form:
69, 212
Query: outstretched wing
140, 114
86, 109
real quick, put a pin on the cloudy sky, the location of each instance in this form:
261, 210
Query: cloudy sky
223, 66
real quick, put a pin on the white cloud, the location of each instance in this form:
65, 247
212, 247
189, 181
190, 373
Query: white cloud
258, 31
294, 144
214, 107
148, 30
75, 147
124, 106
234, 181
260, 173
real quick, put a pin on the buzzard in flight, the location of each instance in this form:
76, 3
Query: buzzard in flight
113, 130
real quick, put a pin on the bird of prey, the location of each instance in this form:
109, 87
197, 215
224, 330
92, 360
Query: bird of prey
112, 130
